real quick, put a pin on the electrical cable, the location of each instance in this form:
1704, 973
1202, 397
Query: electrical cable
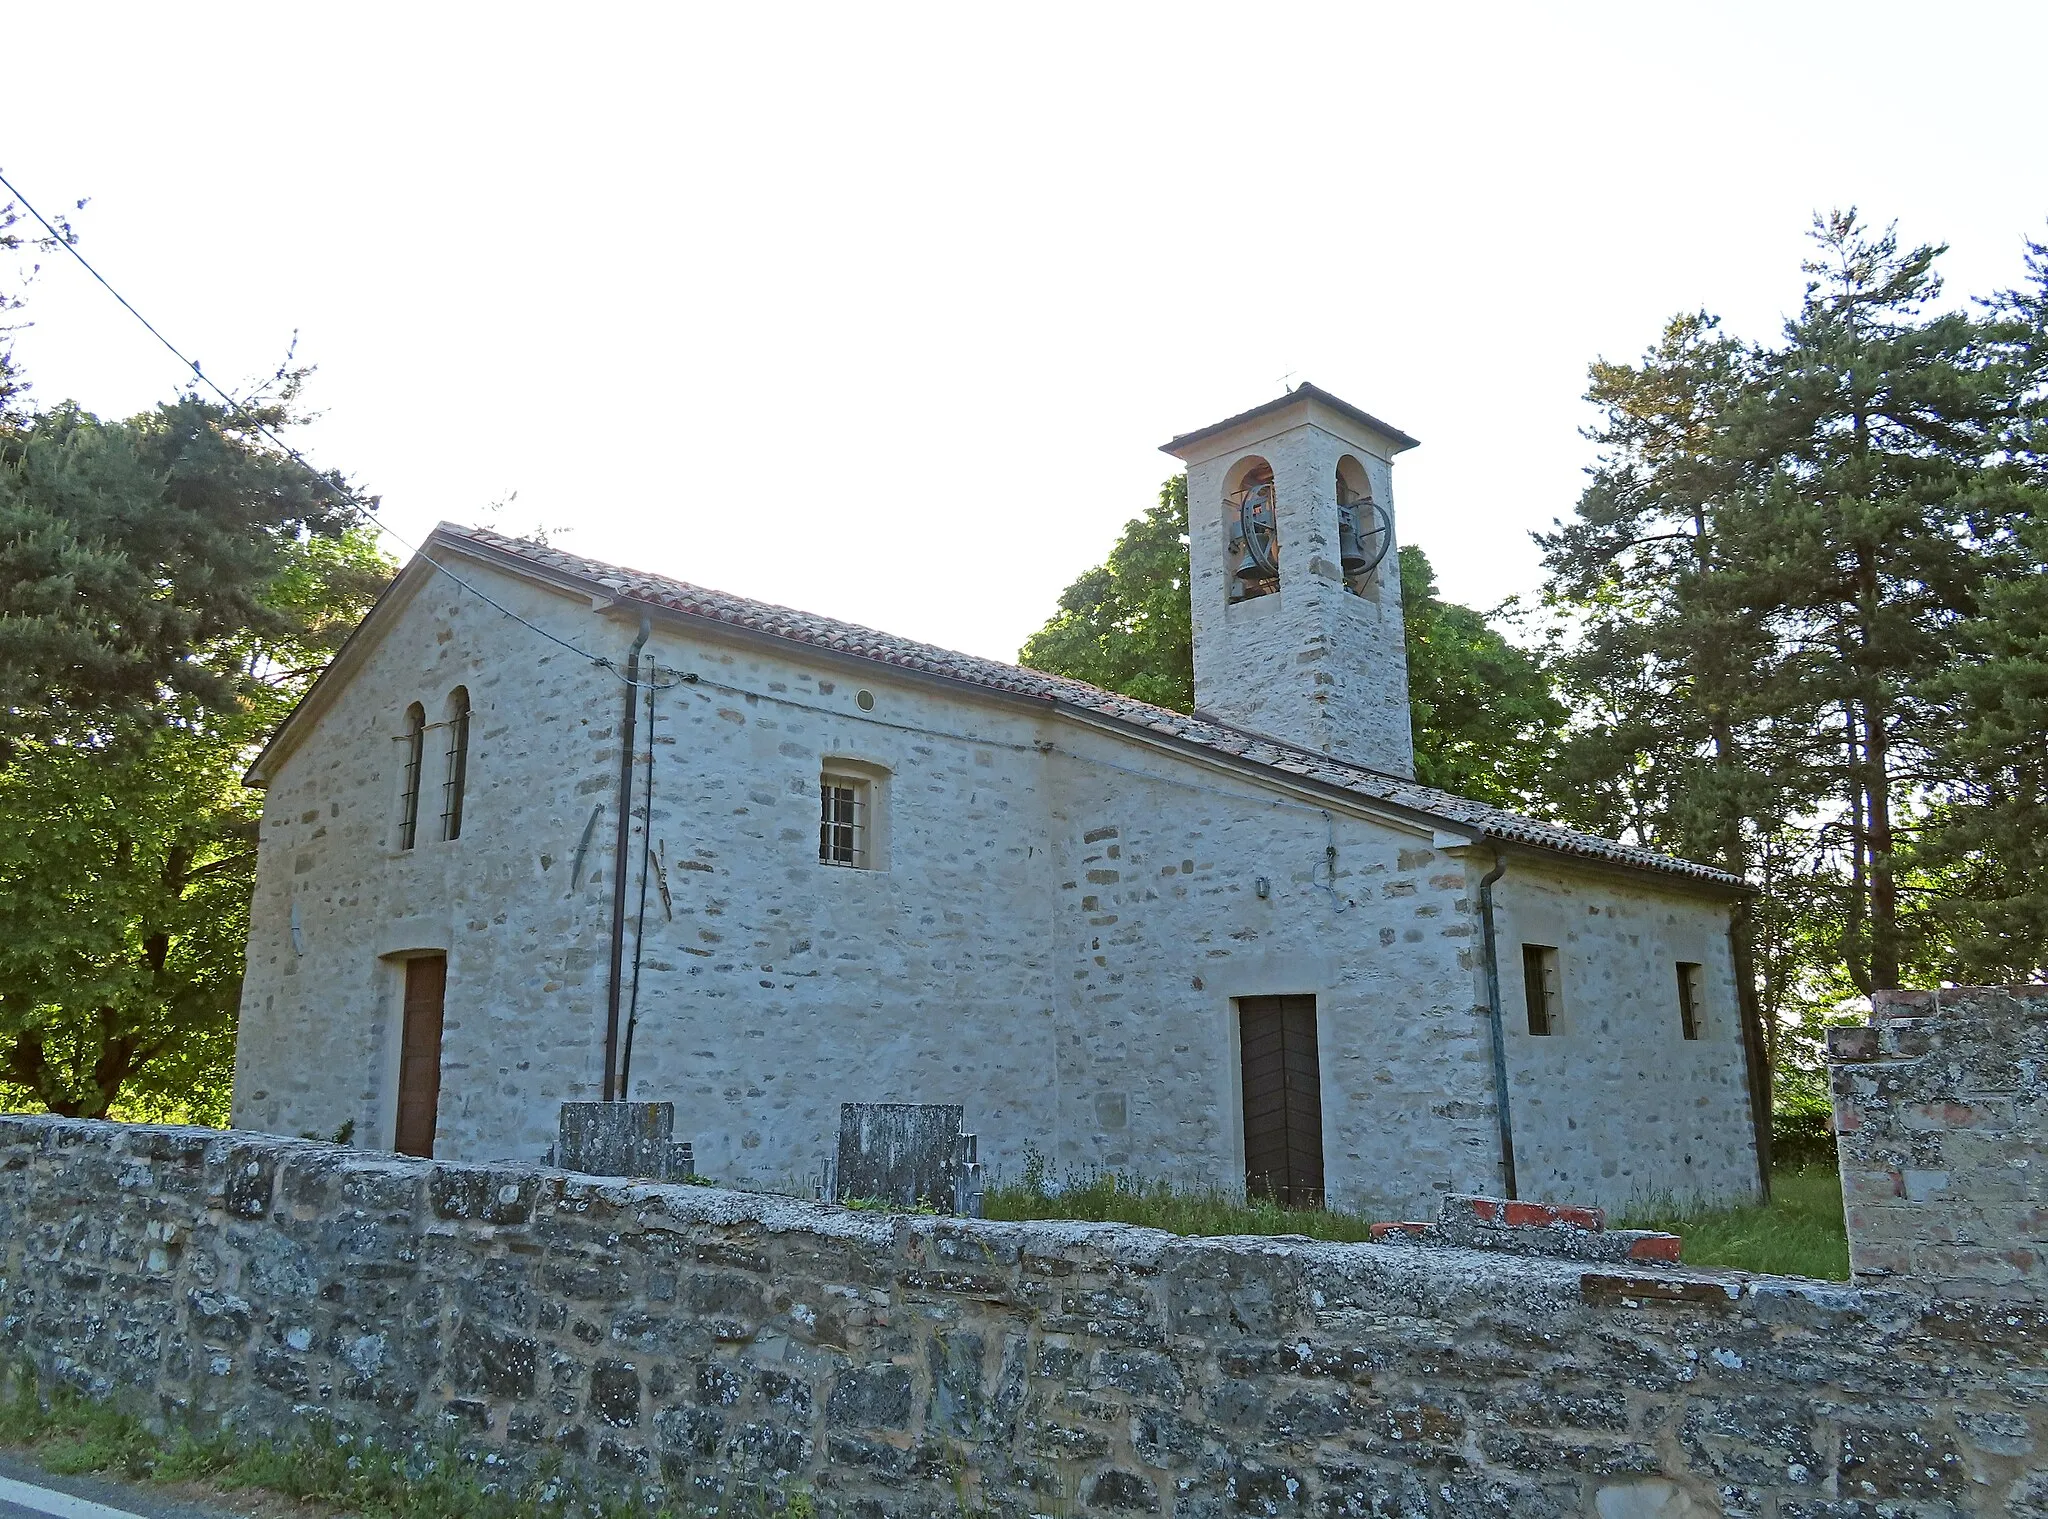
68, 241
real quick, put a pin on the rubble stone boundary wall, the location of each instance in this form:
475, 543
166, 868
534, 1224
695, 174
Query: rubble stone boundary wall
1941, 1118
708, 1340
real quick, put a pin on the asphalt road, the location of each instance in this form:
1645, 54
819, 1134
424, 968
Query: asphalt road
29, 1493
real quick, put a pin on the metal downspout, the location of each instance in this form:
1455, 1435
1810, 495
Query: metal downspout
640, 914
1500, 1048
611, 1017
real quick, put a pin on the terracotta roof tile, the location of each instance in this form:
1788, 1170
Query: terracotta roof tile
1482, 818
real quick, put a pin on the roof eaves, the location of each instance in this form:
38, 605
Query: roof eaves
1300, 392
1159, 727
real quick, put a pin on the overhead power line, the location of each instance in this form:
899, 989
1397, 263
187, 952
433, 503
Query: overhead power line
68, 241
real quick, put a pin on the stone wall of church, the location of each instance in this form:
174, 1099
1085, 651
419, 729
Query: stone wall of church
1055, 942
1615, 1104
731, 1348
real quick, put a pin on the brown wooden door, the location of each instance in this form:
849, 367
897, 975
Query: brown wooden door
1283, 1099
419, 1060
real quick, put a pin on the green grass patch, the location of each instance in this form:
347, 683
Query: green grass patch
1799, 1232
72, 1436
1107, 1198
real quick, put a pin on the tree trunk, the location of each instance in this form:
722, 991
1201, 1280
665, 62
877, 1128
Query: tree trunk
1853, 924
1884, 893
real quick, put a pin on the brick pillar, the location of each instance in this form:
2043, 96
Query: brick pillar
1941, 1109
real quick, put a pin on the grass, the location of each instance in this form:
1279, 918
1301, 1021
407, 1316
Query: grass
1799, 1232
1108, 1198
321, 1467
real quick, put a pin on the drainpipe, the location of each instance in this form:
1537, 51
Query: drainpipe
611, 1016
1500, 1048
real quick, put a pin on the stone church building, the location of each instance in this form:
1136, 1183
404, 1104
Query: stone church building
552, 830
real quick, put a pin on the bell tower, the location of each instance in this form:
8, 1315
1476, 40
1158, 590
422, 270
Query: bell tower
1295, 583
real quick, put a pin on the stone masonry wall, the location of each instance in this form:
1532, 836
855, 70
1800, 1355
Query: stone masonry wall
1055, 942
1941, 1110
705, 1341
1311, 663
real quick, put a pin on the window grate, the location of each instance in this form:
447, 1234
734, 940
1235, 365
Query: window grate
415, 759
842, 821
1540, 987
1689, 998
458, 764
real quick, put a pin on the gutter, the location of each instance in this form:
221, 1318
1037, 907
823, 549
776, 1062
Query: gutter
1500, 1049
611, 1016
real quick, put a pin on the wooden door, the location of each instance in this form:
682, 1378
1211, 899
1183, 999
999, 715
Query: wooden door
1283, 1100
419, 1060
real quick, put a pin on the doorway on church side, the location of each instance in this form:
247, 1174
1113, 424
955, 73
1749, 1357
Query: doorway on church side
1283, 1100
419, 1059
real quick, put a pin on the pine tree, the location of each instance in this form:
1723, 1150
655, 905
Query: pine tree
1984, 849
1870, 429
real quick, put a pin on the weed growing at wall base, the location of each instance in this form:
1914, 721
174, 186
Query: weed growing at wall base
71, 1436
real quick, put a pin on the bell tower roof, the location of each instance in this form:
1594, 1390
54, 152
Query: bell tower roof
1307, 397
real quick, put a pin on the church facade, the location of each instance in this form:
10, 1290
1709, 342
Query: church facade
759, 863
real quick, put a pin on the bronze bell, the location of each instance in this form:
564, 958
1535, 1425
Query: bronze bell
1259, 535
1351, 552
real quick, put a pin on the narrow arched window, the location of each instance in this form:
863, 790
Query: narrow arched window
415, 754
458, 763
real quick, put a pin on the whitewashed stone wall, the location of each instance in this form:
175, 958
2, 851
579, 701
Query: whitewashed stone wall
1064, 919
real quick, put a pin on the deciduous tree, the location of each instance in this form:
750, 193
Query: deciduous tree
1484, 719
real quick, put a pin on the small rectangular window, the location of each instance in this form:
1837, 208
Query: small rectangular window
1690, 987
1540, 987
844, 821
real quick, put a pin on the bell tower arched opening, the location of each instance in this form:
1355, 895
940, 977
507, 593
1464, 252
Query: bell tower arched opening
1251, 529
1365, 531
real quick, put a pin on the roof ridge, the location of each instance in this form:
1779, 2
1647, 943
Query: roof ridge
1198, 728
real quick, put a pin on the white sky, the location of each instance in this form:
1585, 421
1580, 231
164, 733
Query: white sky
882, 311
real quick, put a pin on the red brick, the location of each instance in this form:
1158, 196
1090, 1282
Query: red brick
1656, 1247
1486, 1209
1583, 1218
1530, 1216
1381, 1231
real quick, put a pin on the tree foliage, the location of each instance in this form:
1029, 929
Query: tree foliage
137, 557
1484, 718
1124, 624
1802, 598
169, 584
